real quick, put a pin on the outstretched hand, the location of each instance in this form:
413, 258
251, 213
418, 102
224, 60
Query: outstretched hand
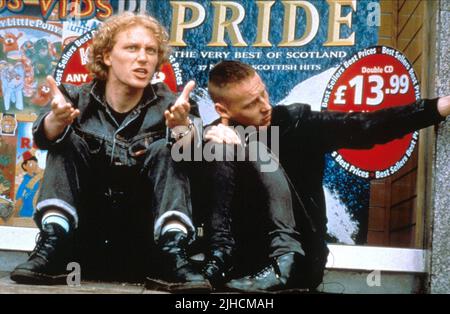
178, 114
62, 113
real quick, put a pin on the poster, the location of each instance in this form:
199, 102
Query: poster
30, 165
296, 47
29, 51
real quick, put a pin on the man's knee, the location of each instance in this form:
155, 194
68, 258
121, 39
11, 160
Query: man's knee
158, 158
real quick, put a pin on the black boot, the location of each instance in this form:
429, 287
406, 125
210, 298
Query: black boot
281, 274
48, 261
179, 273
218, 265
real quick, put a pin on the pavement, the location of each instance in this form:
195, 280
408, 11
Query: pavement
7, 286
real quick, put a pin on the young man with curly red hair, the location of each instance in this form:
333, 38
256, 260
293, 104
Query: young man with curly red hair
110, 184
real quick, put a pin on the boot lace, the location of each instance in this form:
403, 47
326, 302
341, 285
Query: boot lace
264, 272
45, 245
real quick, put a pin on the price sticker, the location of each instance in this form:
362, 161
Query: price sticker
372, 79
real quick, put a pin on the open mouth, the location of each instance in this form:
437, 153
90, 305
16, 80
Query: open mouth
141, 72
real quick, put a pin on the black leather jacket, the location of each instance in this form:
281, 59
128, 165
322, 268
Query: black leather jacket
306, 135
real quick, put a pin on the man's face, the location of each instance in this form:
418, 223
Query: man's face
247, 102
133, 59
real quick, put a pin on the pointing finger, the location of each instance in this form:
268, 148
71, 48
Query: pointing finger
187, 90
54, 90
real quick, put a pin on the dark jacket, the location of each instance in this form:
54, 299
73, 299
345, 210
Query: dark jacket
306, 135
108, 189
121, 144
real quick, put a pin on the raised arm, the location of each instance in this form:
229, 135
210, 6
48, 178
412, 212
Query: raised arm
61, 115
177, 117
333, 130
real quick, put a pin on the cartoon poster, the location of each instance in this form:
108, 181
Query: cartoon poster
30, 164
29, 51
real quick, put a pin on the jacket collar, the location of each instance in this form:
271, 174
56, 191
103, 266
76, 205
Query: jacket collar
98, 92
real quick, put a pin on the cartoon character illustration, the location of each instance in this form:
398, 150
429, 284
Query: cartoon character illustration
42, 58
6, 75
28, 188
10, 43
8, 124
13, 78
55, 49
18, 83
27, 49
30, 83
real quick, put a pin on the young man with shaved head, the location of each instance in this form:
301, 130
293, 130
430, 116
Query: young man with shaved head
281, 214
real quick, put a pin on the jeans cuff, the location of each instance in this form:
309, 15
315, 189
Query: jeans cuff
179, 216
65, 207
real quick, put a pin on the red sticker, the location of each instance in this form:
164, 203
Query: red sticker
373, 79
